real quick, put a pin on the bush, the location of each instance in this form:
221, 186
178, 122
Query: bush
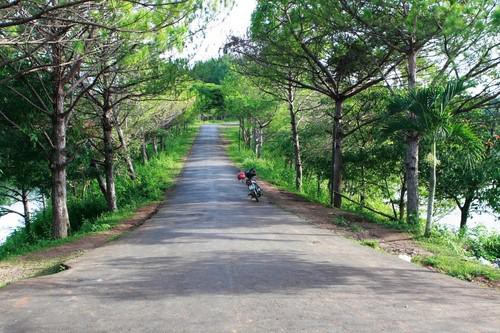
483, 244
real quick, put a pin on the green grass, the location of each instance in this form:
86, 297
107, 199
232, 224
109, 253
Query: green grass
373, 243
459, 267
451, 254
449, 250
88, 212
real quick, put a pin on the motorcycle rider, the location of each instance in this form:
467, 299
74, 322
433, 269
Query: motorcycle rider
250, 173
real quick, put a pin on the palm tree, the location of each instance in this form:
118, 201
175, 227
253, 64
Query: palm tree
433, 118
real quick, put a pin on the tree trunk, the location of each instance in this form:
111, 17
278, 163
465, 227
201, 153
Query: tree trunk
100, 180
337, 158
246, 134
254, 136
26, 209
259, 142
60, 215
318, 186
362, 192
239, 135
295, 141
144, 150
411, 161
402, 198
161, 143
464, 212
124, 145
412, 69
412, 202
432, 190
107, 127
155, 144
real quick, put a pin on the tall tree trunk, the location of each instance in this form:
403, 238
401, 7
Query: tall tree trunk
155, 144
295, 140
107, 128
412, 202
126, 153
259, 142
318, 185
60, 222
411, 161
60, 215
432, 190
464, 212
26, 209
100, 180
144, 150
254, 136
246, 134
402, 193
362, 192
337, 158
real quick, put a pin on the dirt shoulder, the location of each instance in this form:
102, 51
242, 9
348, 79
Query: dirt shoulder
51, 260
352, 225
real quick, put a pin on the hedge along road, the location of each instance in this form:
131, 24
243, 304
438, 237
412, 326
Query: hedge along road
211, 260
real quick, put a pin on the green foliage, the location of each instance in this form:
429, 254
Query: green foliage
88, 213
373, 243
212, 71
459, 267
483, 244
452, 252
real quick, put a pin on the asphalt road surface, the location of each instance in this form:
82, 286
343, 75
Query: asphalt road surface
211, 260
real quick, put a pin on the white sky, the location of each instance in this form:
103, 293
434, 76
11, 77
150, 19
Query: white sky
233, 21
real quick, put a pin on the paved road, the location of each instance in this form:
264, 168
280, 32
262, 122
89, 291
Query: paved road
213, 261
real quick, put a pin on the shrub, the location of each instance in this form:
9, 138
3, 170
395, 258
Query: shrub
483, 244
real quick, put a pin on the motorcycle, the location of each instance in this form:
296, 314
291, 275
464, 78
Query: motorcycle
254, 189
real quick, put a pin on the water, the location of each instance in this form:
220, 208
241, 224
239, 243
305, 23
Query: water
10, 222
485, 218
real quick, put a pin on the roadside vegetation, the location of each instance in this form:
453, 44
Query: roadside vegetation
88, 212
389, 109
455, 253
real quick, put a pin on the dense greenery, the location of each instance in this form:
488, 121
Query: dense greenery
377, 98
88, 212
374, 106
86, 88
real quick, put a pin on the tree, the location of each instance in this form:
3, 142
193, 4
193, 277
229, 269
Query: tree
434, 118
408, 27
254, 109
58, 41
338, 63
272, 82
471, 185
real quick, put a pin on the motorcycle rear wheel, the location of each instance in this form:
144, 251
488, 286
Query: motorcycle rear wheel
255, 195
